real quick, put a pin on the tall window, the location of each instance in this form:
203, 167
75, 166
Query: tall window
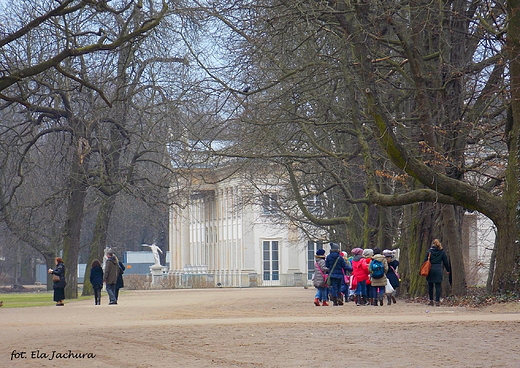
271, 260
312, 247
269, 204
315, 204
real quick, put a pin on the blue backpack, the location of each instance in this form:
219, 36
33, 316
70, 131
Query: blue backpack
378, 269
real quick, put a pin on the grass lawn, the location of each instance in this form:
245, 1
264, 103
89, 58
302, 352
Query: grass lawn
20, 300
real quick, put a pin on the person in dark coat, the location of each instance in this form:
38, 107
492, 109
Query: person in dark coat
120, 283
392, 274
110, 277
336, 265
96, 279
438, 259
59, 285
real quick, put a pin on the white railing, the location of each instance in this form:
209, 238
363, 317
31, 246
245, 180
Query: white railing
187, 278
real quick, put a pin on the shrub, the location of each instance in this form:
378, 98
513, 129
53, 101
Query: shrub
137, 282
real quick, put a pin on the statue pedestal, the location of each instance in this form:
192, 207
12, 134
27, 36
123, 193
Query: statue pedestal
157, 275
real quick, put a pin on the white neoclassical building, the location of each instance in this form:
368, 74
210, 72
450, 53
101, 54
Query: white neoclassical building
478, 239
229, 233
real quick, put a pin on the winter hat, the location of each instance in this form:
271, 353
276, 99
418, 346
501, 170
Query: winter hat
334, 247
368, 253
357, 251
388, 253
320, 253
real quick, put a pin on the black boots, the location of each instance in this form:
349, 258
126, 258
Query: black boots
375, 301
97, 296
360, 300
334, 300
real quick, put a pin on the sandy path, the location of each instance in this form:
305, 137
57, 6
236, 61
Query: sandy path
262, 327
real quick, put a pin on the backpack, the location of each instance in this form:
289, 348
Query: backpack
378, 270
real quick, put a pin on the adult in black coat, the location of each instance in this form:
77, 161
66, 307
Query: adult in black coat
110, 276
337, 268
59, 285
392, 275
120, 283
438, 259
96, 279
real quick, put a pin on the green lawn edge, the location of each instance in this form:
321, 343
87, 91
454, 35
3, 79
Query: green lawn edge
40, 299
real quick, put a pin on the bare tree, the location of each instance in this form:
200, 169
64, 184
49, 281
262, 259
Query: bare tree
428, 84
51, 109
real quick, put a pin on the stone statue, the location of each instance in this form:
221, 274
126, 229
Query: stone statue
155, 250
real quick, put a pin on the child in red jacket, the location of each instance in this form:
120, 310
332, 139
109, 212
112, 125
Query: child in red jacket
360, 276
367, 254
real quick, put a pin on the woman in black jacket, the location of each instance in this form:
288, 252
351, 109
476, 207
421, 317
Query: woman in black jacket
438, 258
96, 279
392, 274
59, 285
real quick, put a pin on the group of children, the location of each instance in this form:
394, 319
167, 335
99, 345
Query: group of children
365, 277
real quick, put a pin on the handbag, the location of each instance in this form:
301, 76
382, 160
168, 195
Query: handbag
322, 274
425, 267
329, 281
389, 289
55, 278
396, 273
346, 278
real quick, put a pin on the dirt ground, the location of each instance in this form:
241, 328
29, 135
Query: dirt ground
255, 328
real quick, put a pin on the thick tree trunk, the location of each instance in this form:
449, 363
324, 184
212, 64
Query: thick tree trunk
409, 284
506, 276
49, 262
72, 227
452, 242
99, 240
421, 230
491, 273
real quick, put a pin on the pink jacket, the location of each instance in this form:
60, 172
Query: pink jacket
360, 269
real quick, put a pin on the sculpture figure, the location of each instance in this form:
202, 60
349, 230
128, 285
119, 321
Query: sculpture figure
155, 250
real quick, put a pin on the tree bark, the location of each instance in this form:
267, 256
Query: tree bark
452, 242
506, 274
73, 221
99, 240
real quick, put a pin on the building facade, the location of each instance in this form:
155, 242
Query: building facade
233, 237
